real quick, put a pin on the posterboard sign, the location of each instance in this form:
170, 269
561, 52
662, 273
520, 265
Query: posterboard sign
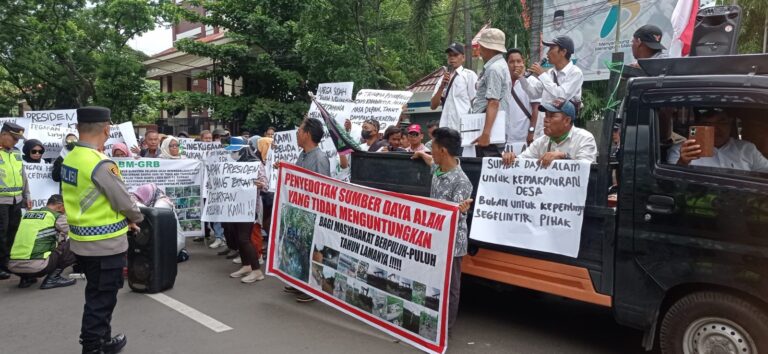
121, 133
381, 105
527, 206
592, 25
198, 150
64, 117
381, 257
336, 98
41, 186
181, 180
472, 127
284, 148
51, 136
231, 191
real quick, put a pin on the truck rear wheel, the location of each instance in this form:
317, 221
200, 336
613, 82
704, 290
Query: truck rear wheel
712, 322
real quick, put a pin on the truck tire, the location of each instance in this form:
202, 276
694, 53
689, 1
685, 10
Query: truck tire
713, 322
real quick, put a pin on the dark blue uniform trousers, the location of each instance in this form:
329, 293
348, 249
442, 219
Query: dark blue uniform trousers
105, 277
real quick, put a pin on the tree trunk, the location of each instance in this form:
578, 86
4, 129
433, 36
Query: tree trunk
536, 9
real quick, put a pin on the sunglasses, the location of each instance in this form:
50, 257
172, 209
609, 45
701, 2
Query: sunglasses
37, 151
413, 134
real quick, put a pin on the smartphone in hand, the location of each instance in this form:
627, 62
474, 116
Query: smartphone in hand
705, 137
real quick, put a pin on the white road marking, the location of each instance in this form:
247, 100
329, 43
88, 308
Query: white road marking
195, 315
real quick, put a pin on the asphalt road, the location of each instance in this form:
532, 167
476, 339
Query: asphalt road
265, 320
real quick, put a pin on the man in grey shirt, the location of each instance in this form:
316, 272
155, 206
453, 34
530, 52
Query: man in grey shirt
493, 89
308, 137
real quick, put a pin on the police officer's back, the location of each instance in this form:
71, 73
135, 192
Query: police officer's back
100, 212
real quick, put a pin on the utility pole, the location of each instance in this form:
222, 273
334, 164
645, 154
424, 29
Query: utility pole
617, 46
467, 34
537, 14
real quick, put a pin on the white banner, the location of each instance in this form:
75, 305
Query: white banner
383, 106
197, 149
121, 133
231, 191
63, 117
41, 186
592, 26
51, 136
284, 149
383, 258
336, 98
180, 179
530, 207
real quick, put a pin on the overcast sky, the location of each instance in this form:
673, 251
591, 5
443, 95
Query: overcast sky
153, 42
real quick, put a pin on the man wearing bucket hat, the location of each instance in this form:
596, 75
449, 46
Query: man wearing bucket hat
14, 191
493, 89
564, 80
562, 141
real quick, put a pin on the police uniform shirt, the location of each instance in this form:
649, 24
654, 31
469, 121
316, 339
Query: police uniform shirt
25, 194
37, 265
106, 179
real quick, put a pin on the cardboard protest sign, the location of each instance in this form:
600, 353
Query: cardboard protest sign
64, 117
121, 133
530, 207
336, 98
180, 179
231, 191
381, 257
50, 136
41, 186
284, 149
198, 150
381, 105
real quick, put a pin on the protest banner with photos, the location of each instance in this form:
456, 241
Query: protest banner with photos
41, 186
198, 150
531, 207
180, 179
381, 105
231, 191
64, 117
51, 136
382, 257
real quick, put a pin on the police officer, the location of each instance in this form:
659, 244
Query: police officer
100, 212
41, 248
14, 191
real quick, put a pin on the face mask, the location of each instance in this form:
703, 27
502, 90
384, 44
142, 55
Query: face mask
366, 134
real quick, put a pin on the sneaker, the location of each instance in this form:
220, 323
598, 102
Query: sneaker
241, 273
223, 252
237, 260
218, 243
76, 275
197, 239
254, 276
291, 290
304, 298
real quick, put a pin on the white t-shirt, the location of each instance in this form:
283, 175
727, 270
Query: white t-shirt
517, 123
735, 154
459, 99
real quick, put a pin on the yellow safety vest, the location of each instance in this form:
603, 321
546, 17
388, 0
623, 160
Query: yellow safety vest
36, 237
11, 181
89, 213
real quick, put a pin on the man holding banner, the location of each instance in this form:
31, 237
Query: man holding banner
13, 190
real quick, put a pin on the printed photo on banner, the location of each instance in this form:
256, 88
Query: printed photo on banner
231, 191
381, 257
181, 180
530, 207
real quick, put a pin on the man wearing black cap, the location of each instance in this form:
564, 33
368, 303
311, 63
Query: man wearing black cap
456, 90
646, 43
563, 81
100, 212
14, 191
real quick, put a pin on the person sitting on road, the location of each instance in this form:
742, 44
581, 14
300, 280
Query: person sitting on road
729, 152
561, 140
41, 247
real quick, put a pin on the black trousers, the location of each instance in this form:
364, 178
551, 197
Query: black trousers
60, 258
10, 217
105, 277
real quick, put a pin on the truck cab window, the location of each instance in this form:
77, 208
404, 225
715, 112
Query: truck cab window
726, 140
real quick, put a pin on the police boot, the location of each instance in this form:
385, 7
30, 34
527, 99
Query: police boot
55, 280
26, 282
114, 344
91, 347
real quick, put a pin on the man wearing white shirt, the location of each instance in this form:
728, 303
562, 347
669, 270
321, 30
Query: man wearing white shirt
561, 82
523, 115
456, 90
729, 152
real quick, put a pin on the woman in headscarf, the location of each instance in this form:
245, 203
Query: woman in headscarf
68, 143
120, 150
169, 148
151, 196
33, 151
243, 231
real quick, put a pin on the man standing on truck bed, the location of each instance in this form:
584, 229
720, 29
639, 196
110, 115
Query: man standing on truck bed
729, 152
562, 140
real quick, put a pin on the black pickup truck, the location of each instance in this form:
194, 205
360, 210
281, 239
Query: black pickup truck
681, 252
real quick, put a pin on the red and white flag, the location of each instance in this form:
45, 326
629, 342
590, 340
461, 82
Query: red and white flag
683, 20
